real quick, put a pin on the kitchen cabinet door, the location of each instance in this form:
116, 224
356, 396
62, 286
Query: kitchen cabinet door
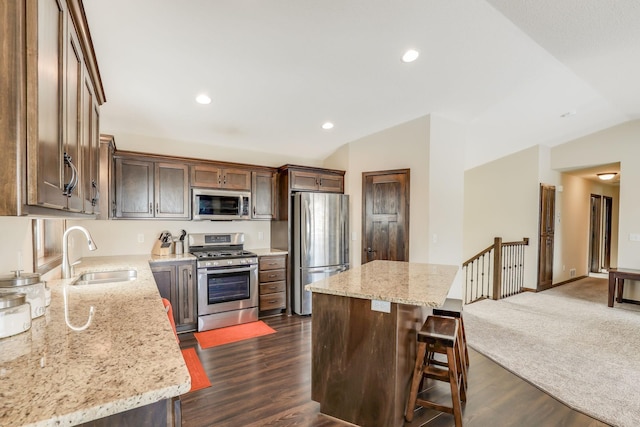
73, 117
90, 140
331, 183
304, 180
134, 188
45, 78
262, 195
236, 179
172, 190
186, 301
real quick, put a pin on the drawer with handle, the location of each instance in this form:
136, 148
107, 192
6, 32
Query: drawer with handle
272, 287
271, 275
271, 262
272, 301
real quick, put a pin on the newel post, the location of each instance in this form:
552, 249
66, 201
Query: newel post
497, 268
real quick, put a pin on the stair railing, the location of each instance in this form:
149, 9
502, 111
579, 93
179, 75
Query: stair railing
495, 272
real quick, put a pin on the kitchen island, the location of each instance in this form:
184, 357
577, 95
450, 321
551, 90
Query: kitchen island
126, 362
364, 327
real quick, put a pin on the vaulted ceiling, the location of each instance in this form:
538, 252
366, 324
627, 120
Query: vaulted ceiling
515, 72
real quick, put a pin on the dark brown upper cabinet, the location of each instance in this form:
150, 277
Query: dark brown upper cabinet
263, 187
214, 176
151, 189
51, 94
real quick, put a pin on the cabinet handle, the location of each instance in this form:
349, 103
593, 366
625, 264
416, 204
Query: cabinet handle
157, 207
320, 182
254, 211
73, 181
94, 187
150, 207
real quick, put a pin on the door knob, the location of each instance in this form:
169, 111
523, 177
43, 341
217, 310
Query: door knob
369, 250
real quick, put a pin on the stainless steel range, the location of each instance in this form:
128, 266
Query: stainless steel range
227, 280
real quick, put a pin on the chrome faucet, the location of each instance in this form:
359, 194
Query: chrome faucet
66, 267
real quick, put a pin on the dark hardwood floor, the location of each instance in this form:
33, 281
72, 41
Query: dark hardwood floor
266, 381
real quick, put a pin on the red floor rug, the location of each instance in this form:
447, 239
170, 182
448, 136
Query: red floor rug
199, 377
233, 334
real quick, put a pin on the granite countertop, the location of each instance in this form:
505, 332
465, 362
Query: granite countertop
393, 281
157, 259
268, 251
128, 357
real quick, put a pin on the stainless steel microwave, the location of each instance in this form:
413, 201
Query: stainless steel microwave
209, 204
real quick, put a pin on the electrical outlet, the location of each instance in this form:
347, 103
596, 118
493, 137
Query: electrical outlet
382, 306
260, 235
572, 272
634, 237
140, 238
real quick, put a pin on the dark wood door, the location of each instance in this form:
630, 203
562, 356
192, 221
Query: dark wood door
385, 215
546, 233
594, 233
607, 224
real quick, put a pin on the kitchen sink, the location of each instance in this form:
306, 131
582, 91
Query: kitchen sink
113, 276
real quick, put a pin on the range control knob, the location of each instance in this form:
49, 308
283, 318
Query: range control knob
230, 262
215, 263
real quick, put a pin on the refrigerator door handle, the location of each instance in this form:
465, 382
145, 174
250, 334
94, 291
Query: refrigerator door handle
306, 216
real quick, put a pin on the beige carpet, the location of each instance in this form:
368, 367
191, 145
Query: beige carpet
567, 342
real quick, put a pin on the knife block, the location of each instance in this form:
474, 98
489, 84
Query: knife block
162, 248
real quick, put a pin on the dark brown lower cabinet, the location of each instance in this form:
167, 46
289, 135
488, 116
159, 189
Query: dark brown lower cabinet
163, 413
272, 278
176, 282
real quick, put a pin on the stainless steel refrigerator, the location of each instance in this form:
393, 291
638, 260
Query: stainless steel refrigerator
320, 242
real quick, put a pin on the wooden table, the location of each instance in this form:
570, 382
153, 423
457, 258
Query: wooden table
616, 278
362, 358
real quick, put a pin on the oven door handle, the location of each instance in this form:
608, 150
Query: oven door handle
222, 269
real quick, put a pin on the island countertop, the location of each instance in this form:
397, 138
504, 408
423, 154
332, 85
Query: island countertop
393, 281
127, 358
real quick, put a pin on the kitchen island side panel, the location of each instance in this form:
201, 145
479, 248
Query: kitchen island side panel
362, 360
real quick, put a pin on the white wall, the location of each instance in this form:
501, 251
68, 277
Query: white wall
573, 229
16, 252
617, 144
501, 199
171, 147
431, 147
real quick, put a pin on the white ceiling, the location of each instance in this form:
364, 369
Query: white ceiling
276, 70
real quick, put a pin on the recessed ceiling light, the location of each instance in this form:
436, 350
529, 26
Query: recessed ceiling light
327, 126
410, 55
203, 99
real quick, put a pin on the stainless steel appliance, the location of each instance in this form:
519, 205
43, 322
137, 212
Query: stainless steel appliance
227, 280
220, 204
320, 242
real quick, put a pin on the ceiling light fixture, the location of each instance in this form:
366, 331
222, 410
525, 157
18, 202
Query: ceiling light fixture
327, 126
203, 99
410, 55
607, 176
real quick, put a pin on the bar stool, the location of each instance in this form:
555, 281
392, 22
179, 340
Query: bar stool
453, 308
438, 334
